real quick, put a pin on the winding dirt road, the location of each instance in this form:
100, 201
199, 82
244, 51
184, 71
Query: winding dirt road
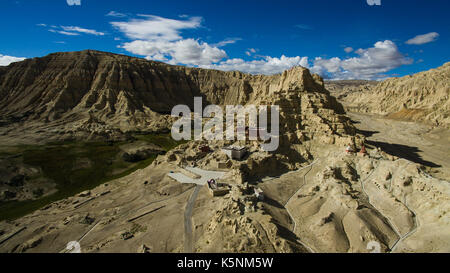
188, 244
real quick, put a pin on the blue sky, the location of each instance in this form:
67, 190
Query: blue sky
338, 39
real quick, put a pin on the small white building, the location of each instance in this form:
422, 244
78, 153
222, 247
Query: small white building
235, 152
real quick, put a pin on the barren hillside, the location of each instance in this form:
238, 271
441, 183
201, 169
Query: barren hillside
316, 197
95, 94
343, 88
424, 96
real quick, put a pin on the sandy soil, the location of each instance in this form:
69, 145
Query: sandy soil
417, 142
111, 208
335, 203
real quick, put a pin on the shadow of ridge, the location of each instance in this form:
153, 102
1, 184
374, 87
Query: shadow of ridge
269, 201
366, 133
283, 231
407, 152
290, 237
255, 178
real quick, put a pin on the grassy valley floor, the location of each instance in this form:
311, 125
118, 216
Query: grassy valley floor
71, 168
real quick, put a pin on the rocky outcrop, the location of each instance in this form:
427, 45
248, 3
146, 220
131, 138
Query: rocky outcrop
91, 92
241, 225
424, 96
15, 183
342, 88
136, 152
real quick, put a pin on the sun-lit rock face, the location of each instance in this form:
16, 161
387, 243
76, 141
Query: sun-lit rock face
424, 96
104, 94
317, 197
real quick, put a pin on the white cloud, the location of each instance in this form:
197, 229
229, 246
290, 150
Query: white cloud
160, 39
82, 30
116, 14
267, 65
371, 63
322, 66
73, 30
226, 42
64, 32
250, 51
185, 51
74, 2
348, 49
6, 60
156, 28
423, 39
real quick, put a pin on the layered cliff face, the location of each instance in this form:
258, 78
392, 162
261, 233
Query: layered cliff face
424, 96
342, 89
120, 91
317, 197
102, 93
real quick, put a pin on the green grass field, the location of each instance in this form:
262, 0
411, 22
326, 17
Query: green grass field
57, 161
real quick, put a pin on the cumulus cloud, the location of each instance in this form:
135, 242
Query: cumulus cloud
185, 51
267, 65
156, 28
323, 66
423, 39
384, 56
348, 49
371, 63
160, 39
74, 2
6, 60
